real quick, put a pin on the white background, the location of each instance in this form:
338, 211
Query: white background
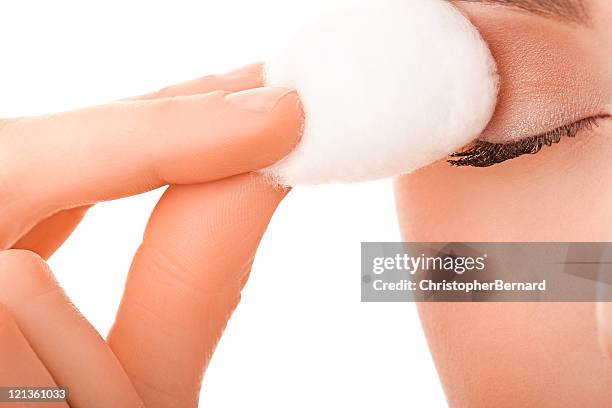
301, 337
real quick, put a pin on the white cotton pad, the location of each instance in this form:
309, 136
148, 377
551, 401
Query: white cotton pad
388, 86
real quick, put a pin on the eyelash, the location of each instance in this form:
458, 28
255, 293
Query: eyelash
486, 154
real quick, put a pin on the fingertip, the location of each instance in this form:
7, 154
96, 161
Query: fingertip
290, 107
270, 120
288, 125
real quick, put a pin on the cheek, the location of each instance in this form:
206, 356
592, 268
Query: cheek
561, 194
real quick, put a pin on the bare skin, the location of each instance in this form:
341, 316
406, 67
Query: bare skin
487, 355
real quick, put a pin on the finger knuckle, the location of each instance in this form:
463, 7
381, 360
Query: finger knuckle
161, 112
20, 262
19, 255
25, 278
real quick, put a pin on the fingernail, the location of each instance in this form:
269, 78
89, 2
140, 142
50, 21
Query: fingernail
259, 99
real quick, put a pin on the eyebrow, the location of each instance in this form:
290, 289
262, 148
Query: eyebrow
566, 10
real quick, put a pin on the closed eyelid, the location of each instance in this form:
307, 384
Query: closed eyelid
544, 80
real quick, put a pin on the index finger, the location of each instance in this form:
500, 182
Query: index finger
70, 159
50, 233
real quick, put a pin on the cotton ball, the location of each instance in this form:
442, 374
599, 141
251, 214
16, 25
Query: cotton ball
388, 86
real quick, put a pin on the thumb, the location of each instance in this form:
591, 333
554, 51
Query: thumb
185, 282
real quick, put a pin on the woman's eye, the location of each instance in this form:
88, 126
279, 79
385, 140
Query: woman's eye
486, 154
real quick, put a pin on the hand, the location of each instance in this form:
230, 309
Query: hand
196, 254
